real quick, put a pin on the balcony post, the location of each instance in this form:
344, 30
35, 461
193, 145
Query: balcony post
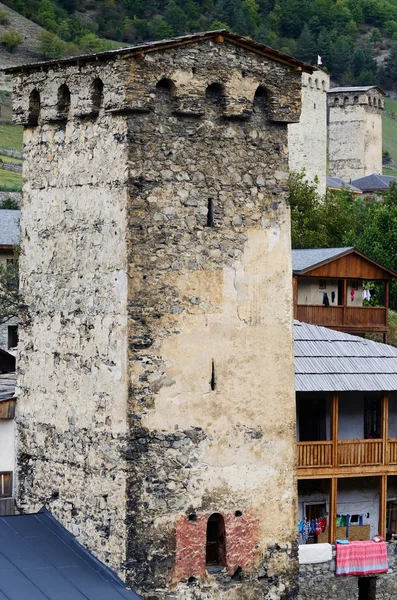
333, 501
344, 301
385, 427
334, 427
382, 505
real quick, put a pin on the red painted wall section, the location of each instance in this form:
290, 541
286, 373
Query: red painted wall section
241, 537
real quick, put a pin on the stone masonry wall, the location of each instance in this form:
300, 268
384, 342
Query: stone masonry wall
307, 139
156, 364
355, 134
318, 581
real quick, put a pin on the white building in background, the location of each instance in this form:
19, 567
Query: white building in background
308, 138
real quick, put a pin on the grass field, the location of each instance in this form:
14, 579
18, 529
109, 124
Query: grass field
10, 159
389, 122
11, 136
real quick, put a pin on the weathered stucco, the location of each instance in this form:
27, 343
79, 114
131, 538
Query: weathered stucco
156, 365
307, 140
355, 133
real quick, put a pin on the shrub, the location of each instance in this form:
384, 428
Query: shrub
11, 39
4, 18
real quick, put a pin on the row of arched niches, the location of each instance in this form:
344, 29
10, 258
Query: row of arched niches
162, 98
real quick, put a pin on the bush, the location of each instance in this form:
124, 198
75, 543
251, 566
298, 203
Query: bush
4, 18
11, 39
50, 45
9, 204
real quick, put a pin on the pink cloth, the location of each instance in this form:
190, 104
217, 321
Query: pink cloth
361, 558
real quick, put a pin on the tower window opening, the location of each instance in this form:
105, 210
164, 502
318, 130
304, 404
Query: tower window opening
34, 108
216, 541
345, 100
355, 100
215, 93
336, 101
63, 104
210, 213
97, 95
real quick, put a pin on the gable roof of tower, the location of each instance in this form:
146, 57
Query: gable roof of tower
9, 228
360, 88
374, 182
332, 361
41, 560
219, 35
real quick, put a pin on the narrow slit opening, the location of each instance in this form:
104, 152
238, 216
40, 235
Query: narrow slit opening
210, 213
213, 376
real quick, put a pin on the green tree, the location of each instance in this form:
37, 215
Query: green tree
306, 46
4, 18
324, 47
12, 39
176, 18
50, 45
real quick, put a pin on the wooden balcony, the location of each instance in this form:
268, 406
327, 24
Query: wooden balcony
352, 455
344, 318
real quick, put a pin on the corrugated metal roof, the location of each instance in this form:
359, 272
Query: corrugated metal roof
8, 383
40, 560
339, 184
328, 360
374, 182
9, 227
305, 258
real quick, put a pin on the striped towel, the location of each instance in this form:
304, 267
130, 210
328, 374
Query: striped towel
361, 558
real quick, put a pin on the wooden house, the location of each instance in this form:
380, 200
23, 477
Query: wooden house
346, 403
331, 288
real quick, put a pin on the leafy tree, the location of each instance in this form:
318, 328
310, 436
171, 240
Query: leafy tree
9, 289
50, 45
324, 47
4, 18
9, 204
11, 39
176, 18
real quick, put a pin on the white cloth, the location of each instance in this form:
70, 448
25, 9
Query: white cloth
314, 553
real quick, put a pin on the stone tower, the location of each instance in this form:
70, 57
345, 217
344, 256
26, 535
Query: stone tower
355, 131
157, 412
308, 139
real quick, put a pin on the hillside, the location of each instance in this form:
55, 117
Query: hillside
27, 51
389, 122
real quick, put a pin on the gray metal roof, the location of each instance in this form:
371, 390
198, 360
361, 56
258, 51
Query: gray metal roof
360, 88
305, 258
9, 227
40, 560
8, 383
328, 360
339, 184
374, 182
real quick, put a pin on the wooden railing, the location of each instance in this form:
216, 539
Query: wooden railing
359, 452
352, 317
351, 453
392, 452
315, 454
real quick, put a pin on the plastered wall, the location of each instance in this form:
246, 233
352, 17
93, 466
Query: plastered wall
308, 138
354, 133
159, 361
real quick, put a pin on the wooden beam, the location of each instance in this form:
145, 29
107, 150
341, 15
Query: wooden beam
346, 472
333, 501
334, 427
385, 426
382, 505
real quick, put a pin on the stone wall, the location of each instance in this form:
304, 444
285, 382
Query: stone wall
308, 138
318, 581
354, 133
156, 367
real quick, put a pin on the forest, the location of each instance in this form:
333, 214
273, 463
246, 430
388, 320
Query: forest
356, 39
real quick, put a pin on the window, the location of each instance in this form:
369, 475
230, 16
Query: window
34, 108
371, 418
63, 104
322, 284
96, 95
12, 336
391, 516
317, 510
5, 485
215, 555
215, 94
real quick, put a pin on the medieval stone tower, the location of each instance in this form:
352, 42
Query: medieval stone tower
355, 131
156, 416
307, 139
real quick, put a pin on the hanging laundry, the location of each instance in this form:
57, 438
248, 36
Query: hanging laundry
364, 295
325, 299
347, 526
333, 297
368, 295
352, 295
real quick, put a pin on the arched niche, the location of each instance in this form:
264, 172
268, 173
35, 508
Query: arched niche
165, 93
215, 94
215, 551
34, 107
97, 95
63, 102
